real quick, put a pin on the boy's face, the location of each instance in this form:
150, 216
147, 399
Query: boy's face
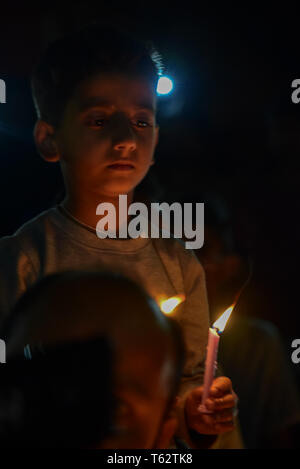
142, 392
108, 135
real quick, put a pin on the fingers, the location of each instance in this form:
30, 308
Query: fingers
227, 402
221, 405
221, 395
213, 424
223, 416
221, 386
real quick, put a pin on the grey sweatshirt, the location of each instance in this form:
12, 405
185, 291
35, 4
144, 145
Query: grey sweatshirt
53, 242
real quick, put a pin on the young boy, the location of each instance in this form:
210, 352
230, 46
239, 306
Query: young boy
95, 95
77, 308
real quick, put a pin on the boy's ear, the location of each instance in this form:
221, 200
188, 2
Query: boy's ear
44, 139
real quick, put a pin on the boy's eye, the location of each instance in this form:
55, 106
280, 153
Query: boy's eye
95, 121
142, 124
98, 122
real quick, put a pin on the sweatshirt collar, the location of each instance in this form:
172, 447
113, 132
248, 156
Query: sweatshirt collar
86, 235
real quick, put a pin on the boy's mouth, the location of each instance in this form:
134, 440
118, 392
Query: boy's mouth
121, 166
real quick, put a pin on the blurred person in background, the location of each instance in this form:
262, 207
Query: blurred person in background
251, 352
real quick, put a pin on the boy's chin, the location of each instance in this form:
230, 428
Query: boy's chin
116, 190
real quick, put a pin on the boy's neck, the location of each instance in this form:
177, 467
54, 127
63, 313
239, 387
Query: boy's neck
84, 210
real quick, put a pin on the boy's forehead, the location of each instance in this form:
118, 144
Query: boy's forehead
114, 90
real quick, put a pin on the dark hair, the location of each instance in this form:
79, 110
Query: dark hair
179, 355
83, 53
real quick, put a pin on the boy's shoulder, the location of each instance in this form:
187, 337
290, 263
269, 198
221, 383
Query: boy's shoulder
20, 255
27, 234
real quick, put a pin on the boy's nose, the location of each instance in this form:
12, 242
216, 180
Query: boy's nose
127, 145
124, 139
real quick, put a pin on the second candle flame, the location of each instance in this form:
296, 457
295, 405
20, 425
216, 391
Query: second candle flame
168, 306
221, 322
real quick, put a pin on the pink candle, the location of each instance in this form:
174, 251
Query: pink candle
211, 355
210, 365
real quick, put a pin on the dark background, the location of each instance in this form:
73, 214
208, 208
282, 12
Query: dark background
229, 129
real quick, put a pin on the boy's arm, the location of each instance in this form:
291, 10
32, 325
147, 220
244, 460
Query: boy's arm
16, 274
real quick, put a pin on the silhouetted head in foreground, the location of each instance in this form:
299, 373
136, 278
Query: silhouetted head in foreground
75, 307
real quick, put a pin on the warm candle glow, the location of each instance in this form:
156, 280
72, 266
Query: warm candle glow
168, 306
220, 323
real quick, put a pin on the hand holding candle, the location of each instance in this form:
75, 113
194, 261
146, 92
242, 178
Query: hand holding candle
222, 404
211, 356
217, 393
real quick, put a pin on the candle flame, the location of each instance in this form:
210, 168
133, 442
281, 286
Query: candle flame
168, 306
220, 323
